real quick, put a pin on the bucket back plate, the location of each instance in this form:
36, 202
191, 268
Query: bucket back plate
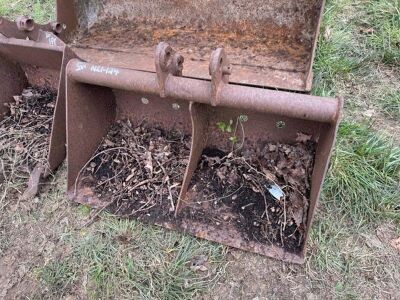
271, 43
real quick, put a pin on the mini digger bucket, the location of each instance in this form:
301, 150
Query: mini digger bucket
33, 55
179, 114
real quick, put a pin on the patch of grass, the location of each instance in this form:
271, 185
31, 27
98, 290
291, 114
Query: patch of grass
390, 103
40, 10
58, 276
361, 192
124, 259
382, 19
364, 176
338, 53
84, 210
356, 37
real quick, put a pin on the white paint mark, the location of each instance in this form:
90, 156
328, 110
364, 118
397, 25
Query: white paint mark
51, 39
80, 66
145, 100
105, 70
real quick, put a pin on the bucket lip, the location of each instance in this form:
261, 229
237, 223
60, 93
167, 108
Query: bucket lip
87, 197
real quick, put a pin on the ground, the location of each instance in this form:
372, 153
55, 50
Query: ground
53, 249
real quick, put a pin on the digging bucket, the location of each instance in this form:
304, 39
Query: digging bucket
33, 55
200, 122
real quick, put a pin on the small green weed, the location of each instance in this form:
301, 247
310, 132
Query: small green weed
232, 127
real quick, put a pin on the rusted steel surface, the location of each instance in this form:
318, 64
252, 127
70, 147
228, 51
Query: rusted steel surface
220, 69
12, 81
270, 46
242, 97
193, 107
30, 55
200, 123
168, 63
26, 28
57, 148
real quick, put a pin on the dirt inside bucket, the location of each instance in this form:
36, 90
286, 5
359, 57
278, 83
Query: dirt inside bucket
262, 191
139, 170
25, 134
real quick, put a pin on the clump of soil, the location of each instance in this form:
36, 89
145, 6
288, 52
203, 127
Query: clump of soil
245, 188
25, 133
140, 169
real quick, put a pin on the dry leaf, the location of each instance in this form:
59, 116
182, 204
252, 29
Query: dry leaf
19, 148
303, 138
148, 164
328, 34
367, 30
199, 263
109, 143
297, 208
395, 243
220, 174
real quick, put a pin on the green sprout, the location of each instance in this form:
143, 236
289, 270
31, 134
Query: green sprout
228, 128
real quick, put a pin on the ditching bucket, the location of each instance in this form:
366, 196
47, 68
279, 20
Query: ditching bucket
33, 55
182, 138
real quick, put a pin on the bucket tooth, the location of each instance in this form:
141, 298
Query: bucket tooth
199, 114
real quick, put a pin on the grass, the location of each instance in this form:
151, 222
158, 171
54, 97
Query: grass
59, 276
358, 58
40, 10
361, 191
390, 103
364, 176
382, 17
357, 39
126, 259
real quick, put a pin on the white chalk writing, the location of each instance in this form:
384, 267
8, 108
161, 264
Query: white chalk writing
106, 70
51, 39
80, 66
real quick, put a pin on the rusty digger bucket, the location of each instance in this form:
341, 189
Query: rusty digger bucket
194, 116
33, 55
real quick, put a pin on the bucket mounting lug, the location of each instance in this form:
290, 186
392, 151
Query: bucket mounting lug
220, 69
168, 63
24, 28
